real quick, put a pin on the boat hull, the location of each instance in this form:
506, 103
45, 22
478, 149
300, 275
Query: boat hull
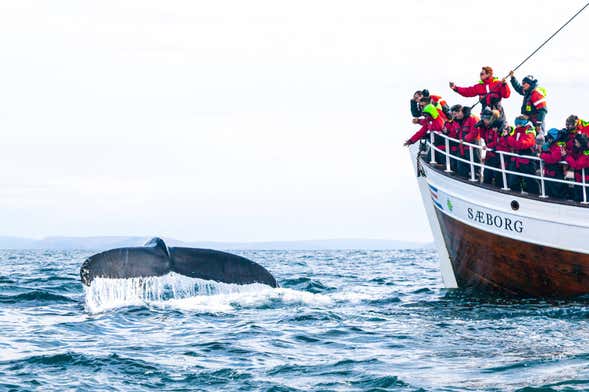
488, 262
490, 240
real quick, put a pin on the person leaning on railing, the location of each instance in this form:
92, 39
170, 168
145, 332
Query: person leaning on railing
491, 129
462, 126
451, 129
468, 133
578, 159
522, 141
552, 153
431, 121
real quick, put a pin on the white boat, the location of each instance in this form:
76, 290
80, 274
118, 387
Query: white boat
494, 239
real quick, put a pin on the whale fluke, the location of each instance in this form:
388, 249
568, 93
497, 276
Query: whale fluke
219, 266
157, 259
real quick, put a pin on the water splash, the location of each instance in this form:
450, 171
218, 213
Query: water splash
181, 292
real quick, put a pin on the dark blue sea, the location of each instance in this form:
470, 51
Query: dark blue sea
341, 321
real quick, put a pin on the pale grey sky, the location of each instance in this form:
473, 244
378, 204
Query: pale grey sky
247, 121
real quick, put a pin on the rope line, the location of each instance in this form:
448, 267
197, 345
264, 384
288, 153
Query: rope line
542, 45
549, 38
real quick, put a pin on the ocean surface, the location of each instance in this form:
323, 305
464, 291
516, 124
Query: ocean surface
341, 321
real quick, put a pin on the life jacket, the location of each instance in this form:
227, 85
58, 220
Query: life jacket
442, 106
534, 101
494, 91
583, 127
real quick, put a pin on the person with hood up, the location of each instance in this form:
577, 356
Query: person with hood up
552, 153
578, 159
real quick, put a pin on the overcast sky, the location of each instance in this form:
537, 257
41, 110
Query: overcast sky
247, 120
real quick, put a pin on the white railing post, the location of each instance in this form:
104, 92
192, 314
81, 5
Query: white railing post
470, 157
482, 168
542, 187
447, 145
503, 175
431, 148
584, 189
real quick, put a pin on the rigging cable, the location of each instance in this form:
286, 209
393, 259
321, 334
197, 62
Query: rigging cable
549, 38
542, 45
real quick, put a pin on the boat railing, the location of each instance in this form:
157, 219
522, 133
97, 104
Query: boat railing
504, 172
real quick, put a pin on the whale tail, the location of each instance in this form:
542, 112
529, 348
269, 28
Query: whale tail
156, 259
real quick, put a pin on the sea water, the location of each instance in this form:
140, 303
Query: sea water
349, 320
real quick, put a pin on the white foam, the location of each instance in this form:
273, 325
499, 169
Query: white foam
180, 292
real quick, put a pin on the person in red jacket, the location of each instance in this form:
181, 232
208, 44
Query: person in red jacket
522, 141
490, 90
552, 154
451, 129
491, 129
575, 125
578, 159
461, 126
431, 122
468, 133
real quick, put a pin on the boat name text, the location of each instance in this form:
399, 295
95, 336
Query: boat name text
497, 221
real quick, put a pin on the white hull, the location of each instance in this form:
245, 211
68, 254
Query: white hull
534, 222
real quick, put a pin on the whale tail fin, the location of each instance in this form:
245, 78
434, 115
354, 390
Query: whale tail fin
156, 259
220, 266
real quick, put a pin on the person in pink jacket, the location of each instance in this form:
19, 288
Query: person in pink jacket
578, 159
551, 154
